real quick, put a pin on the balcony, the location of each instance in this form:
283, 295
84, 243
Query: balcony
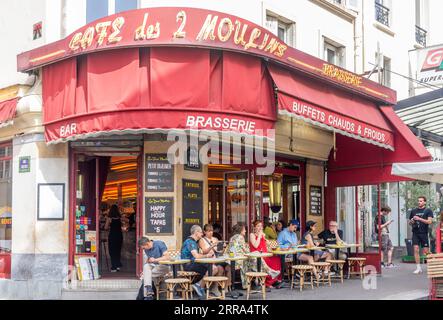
382, 14
420, 36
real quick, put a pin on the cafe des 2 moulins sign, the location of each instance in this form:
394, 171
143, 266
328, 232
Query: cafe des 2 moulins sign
191, 27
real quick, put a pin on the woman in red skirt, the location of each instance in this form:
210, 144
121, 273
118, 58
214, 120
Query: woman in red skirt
271, 265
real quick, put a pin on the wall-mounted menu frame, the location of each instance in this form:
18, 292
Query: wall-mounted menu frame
159, 218
192, 205
315, 200
159, 173
193, 159
51, 201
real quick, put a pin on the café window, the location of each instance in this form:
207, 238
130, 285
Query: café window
96, 9
5, 197
282, 27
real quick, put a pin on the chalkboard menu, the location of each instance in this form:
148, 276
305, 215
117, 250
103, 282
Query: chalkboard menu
192, 160
315, 197
159, 215
192, 205
159, 173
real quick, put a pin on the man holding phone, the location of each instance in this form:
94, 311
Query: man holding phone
386, 243
420, 219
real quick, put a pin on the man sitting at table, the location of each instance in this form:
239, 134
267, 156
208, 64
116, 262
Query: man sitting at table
333, 236
288, 238
154, 252
190, 251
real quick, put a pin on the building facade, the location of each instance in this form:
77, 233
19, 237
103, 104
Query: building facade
55, 159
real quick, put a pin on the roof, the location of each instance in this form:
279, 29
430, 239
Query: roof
424, 112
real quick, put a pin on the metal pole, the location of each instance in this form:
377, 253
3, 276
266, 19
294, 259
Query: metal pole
379, 220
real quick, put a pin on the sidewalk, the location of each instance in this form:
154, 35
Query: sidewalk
394, 284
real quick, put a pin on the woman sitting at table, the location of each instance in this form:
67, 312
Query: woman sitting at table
209, 244
308, 240
237, 246
271, 265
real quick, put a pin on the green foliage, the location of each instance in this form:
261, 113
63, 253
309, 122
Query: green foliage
411, 191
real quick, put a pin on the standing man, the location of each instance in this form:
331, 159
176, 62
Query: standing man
420, 219
386, 243
154, 252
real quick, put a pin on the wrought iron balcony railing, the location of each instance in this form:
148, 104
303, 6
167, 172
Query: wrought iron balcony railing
420, 36
382, 14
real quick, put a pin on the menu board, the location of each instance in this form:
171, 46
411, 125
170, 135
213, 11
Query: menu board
159, 215
315, 198
192, 205
192, 160
159, 173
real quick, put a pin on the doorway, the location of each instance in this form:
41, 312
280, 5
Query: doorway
101, 181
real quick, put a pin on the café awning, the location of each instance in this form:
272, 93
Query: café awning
330, 108
7, 111
423, 171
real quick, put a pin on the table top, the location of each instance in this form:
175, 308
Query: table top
316, 248
290, 251
211, 260
342, 246
235, 258
257, 254
177, 261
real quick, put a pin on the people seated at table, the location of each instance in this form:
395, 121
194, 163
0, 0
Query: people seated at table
270, 230
333, 236
271, 265
209, 244
288, 238
308, 241
238, 247
190, 251
154, 252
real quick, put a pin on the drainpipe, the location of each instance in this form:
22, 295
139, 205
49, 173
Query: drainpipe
63, 16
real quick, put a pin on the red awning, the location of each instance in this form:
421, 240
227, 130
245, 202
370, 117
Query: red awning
144, 90
332, 109
7, 111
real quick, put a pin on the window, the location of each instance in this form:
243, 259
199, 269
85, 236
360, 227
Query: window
282, 28
386, 80
334, 54
383, 12
5, 197
96, 9
125, 5
421, 21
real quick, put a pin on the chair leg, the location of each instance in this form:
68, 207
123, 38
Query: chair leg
312, 280
263, 288
248, 287
302, 281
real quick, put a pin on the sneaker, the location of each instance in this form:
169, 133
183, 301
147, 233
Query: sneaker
114, 270
418, 271
383, 265
148, 298
149, 291
278, 285
198, 290
391, 265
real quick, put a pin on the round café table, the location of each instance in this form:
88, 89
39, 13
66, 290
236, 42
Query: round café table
338, 247
233, 293
258, 255
283, 253
209, 262
175, 264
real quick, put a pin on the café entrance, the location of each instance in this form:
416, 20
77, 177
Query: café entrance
103, 177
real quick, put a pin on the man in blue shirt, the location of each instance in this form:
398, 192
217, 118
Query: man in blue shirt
288, 238
190, 251
154, 251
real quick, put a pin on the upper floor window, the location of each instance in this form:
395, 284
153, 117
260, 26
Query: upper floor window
96, 9
383, 12
281, 27
334, 54
5, 162
421, 21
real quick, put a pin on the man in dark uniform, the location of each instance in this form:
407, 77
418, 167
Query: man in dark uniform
420, 219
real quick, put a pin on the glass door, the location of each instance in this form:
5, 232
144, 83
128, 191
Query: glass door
236, 196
